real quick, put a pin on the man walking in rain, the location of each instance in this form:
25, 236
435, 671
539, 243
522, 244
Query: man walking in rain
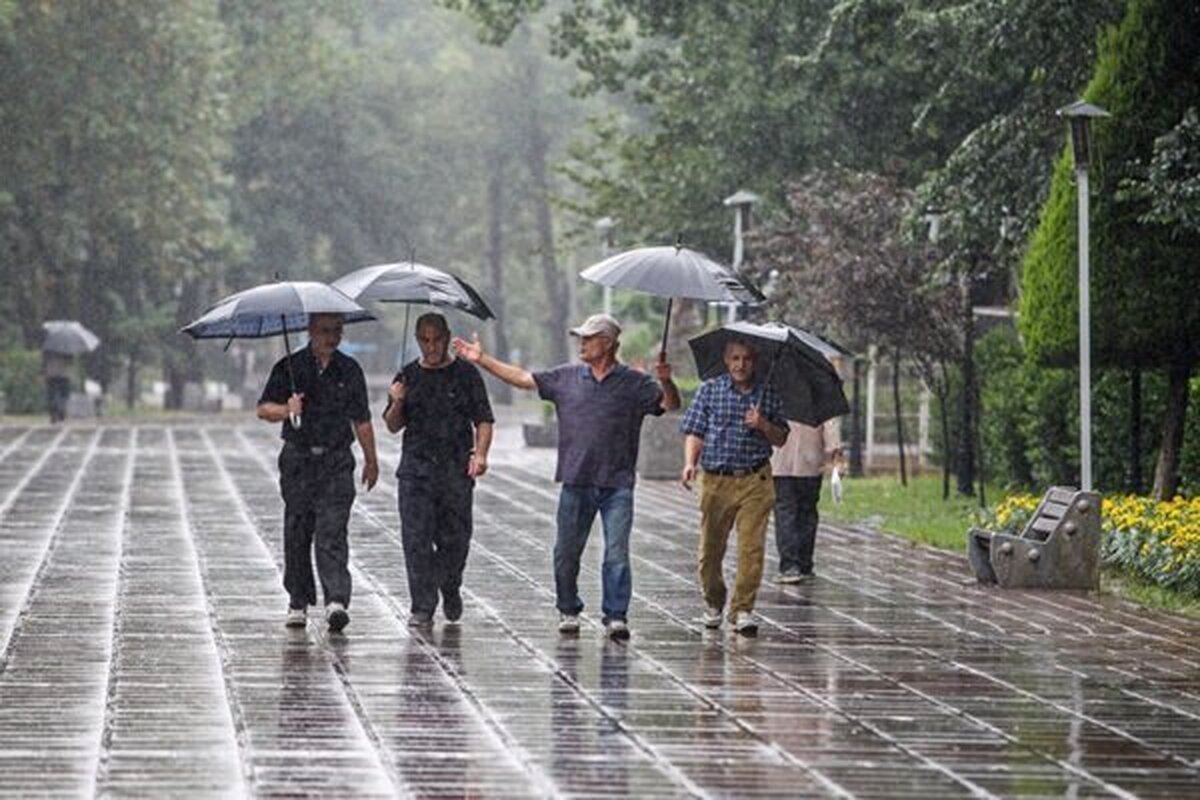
442, 406
316, 466
730, 429
797, 467
600, 405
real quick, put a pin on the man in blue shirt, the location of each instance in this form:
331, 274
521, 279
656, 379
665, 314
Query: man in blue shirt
600, 405
730, 429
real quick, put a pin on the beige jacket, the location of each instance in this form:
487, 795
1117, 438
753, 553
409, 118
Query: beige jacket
806, 451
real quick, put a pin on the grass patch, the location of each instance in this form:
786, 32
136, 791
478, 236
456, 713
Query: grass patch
915, 512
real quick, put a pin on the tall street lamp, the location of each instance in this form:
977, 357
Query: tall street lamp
1079, 115
604, 227
740, 201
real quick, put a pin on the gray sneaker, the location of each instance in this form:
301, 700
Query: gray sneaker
711, 618
743, 623
297, 617
568, 623
616, 629
420, 619
789, 575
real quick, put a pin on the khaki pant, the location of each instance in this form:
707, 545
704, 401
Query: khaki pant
727, 502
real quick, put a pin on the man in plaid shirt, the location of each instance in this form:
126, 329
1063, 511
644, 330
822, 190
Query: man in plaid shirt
730, 429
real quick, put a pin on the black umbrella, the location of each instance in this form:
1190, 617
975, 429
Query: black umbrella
798, 370
410, 282
672, 272
271, 309
68, 338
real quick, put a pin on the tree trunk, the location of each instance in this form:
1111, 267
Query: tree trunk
536, 152
1166, 473
899, 416
1135, 430
131, 377
501, 391
944, 415
965, 463
181, 361
856, 460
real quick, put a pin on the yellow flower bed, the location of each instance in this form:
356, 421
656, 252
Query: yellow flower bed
1159, 540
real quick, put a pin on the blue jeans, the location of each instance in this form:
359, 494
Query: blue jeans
577, 507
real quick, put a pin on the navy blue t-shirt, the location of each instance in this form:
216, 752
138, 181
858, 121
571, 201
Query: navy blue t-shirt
599, 422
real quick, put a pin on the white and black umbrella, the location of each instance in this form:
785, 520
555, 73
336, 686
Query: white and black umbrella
672, 272
798, 367
271, 309
68, 338
412, 283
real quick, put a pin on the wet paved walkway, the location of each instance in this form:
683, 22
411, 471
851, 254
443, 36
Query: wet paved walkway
144, 653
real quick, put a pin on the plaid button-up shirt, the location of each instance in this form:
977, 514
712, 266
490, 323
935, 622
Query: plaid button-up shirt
718, 415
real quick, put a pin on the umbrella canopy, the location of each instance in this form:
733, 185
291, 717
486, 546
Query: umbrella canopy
68, 337
799, 372
409, 282
271, 309
672, 272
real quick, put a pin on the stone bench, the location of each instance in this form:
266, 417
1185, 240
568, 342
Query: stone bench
1058, 549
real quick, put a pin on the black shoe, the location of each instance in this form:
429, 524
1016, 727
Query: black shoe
452, 605
420, 619
336, 616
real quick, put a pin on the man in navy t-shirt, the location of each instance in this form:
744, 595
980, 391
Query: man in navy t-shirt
600, 405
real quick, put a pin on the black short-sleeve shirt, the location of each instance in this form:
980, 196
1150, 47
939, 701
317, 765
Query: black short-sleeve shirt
335, 399
442, 407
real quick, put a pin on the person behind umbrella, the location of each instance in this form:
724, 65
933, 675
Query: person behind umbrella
56, 371
730, 429
316, 466
600, 405
442, 406
797, 467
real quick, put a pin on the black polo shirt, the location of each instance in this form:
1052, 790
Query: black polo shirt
442, 408
335, 399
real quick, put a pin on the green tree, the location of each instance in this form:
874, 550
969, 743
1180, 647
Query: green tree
1147, 76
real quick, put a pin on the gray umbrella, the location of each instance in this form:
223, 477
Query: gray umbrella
409, 282
798, 368
271, 309
68, 337
672, 272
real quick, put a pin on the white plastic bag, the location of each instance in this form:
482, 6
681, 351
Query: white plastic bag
835, 485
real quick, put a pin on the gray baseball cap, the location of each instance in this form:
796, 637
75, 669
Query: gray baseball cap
598, 325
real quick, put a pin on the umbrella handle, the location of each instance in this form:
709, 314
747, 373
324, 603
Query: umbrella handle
666, 328
287, 346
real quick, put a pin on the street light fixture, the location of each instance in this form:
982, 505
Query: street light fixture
741, 202
1079, 116
604, 227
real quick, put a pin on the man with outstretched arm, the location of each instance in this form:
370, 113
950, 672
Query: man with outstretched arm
600, 405
316, 465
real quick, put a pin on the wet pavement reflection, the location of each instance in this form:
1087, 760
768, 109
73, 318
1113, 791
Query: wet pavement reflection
144, 653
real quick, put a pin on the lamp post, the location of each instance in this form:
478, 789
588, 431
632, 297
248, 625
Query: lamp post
1079, 115
604, 227
741, 202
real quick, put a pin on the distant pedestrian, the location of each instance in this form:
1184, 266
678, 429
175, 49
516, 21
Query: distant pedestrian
316, 466
797, 467
730, 429
56, 371
600, 405
442, 406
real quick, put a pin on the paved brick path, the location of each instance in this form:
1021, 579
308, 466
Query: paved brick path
143, 652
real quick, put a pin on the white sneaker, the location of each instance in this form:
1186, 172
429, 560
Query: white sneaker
297, 617
616, 629
743, 623
336, 616
568, 623
712, 618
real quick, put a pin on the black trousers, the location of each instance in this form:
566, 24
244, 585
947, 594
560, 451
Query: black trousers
796, 521
58, 391
318, 492
435, 528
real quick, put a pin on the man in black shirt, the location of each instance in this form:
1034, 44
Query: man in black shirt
316, 467
442, 406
